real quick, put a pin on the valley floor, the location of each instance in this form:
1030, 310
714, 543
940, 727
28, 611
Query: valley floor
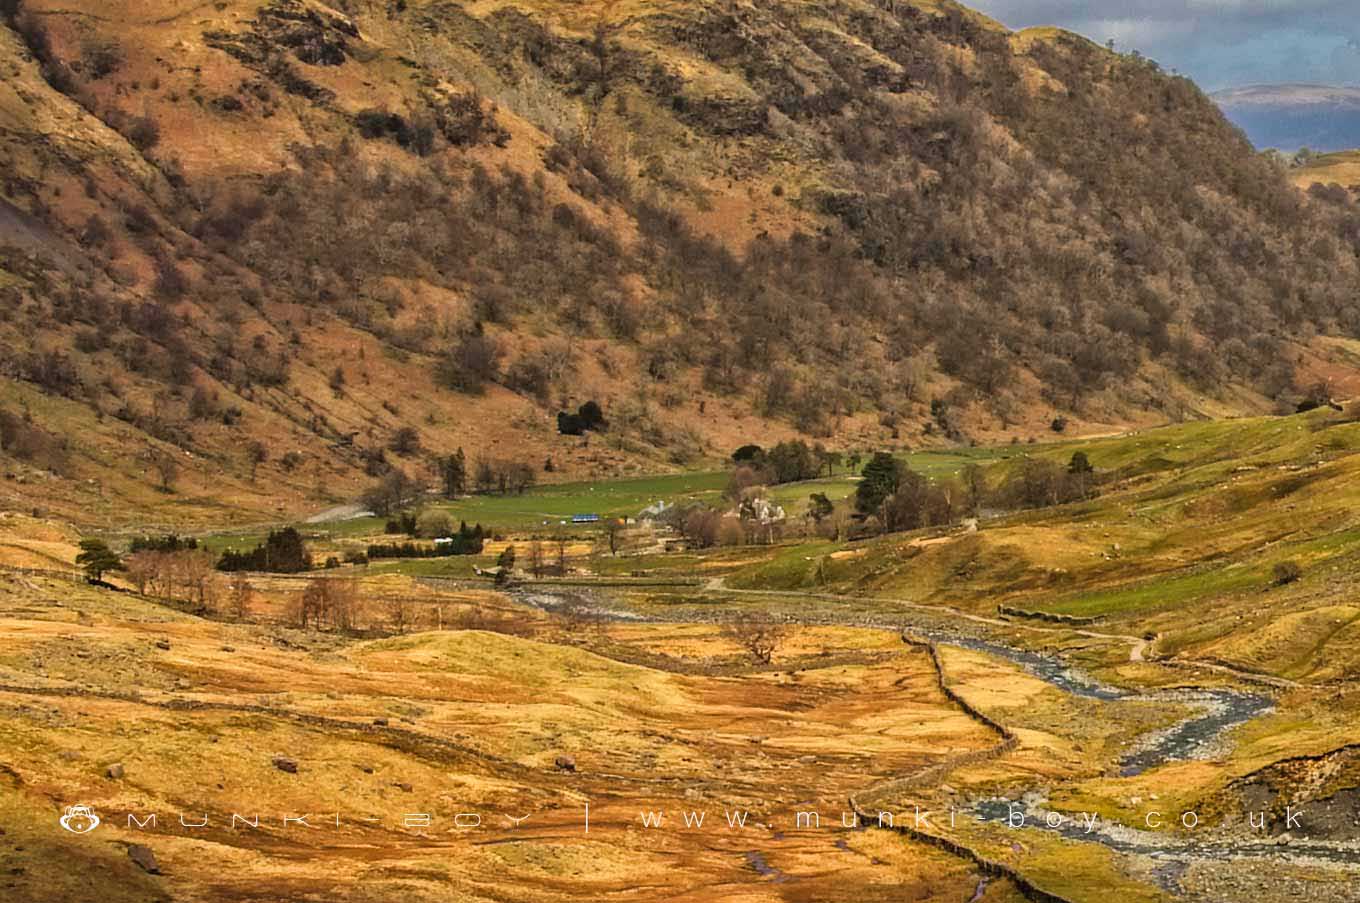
604, 737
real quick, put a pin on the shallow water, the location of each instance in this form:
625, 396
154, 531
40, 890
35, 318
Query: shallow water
1221, 710
1197, 736
1178, 849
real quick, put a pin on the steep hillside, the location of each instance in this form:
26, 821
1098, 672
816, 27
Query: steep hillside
244, 245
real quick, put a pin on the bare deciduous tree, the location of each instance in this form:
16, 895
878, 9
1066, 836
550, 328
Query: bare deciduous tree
240, 597
326, 603
759, 634
399, 613
579, 618
198, 576
561, 542
141, 569
613, 530
167, 468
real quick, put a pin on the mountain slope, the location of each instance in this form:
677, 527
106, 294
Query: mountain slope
311, 227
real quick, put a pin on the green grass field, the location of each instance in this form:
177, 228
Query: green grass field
550, 505
1184, 535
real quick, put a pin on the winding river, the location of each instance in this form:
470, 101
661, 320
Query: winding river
1217, 712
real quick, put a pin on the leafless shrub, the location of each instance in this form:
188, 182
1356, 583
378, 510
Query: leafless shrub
399, 613
240, 597
324, 603
758, 633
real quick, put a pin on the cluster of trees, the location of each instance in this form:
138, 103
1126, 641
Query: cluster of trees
589, 417
188, 574
393, 493
551, 558
1041, 483
890, 497
326, 603
704, 527
406, 522
398, 495
901, 499
430, 524
170, 542
466, 541
172, 569
791, 461
504, 477
282, 552
339, 604
471, 362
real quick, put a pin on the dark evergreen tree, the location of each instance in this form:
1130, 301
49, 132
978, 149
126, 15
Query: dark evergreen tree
454, 471
282, 552
97, 559
880, 479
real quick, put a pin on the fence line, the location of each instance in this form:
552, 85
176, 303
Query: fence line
1049, 617
74, 576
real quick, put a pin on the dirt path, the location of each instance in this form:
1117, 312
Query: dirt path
338, 512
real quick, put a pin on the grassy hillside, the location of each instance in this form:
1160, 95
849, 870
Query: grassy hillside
1340, 168
1186, 540
468, 703
312, 226
1230, 541
445, 724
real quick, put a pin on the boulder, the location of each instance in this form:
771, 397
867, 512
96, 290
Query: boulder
144, 859
115, 772
565, 763
283, 763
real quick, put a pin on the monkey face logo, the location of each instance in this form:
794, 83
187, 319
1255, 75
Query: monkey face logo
79, 820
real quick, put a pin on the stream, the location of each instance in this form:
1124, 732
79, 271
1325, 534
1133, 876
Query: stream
1165, 847
1220, 710
1198, 736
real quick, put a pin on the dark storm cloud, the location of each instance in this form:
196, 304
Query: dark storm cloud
1220, 43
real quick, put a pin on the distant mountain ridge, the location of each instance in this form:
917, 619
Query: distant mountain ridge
1288, 117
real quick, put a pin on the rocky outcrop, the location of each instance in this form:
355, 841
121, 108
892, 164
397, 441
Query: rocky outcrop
143, 858
285, 764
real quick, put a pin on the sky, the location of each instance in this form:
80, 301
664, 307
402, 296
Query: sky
1218, 43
